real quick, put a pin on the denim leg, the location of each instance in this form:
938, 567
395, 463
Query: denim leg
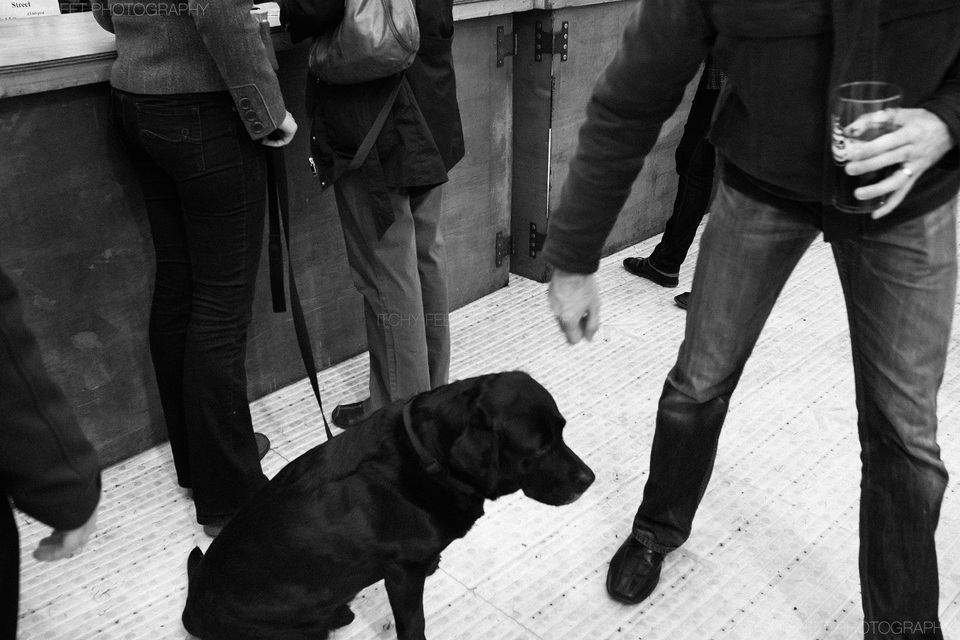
213, 237
900, 287
696, 159
747, 252
170, 304
386, 274
431, 264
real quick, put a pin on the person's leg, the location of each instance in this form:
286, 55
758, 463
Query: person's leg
900, 287
9, 570
221, 183
170, 306
385, 272
696, 159
431, 262
747, 252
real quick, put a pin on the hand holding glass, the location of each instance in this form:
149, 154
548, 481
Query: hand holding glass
863, 111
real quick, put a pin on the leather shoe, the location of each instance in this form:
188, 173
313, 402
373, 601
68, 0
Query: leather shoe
643, 268
634, 572
263, 444
683, 300
348, 414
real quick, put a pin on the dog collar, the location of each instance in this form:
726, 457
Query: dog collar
428, 462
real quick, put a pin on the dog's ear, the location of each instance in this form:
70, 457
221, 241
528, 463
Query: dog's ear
476, 451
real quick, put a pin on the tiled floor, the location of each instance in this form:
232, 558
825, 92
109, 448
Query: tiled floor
774, 549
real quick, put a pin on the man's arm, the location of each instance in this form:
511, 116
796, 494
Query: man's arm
47, 465
663, 45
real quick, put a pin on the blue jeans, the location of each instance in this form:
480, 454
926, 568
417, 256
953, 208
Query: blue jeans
899, 286
204, 186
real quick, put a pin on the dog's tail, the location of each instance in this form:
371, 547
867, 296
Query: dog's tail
193, 562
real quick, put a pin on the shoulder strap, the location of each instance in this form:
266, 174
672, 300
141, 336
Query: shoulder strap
368, 141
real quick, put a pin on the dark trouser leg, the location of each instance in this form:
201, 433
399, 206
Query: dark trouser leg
747, 252
695, 158
219, 176
900, 287
170, 305
9, 570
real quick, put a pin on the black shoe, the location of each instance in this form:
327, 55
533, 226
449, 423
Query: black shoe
348, 414
642, 267
342, 616
263, 444
683, 300
634, 572
432, 569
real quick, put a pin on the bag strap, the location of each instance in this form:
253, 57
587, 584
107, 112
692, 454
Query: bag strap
278, 199
364, 149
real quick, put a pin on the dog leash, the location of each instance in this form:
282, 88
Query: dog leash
278, 199
440, 473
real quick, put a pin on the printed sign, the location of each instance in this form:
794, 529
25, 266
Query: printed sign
28, 8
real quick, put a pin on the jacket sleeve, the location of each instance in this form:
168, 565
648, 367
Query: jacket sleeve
946, 106
101, 13
47, 466
232, 36
663, 46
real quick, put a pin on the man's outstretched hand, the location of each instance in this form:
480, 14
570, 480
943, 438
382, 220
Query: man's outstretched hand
575, 303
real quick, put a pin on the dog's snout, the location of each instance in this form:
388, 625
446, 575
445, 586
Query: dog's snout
584, 477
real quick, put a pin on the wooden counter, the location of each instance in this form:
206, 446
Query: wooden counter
74, 237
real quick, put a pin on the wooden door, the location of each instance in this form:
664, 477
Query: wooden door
550, 96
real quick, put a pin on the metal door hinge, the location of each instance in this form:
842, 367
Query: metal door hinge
506, 45
548, 42
503, 247
536, 240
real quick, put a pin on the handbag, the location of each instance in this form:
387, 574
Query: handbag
375, 39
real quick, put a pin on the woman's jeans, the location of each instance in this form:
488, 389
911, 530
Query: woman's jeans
900, 287
204, 185
696, 159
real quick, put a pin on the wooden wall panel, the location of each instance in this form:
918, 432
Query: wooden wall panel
74, 238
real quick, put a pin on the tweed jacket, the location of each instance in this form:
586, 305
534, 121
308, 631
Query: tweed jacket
770, 127
195, 47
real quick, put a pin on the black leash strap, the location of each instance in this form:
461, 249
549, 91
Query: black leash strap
279, 206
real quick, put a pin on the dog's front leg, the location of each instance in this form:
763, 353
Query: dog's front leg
405, 590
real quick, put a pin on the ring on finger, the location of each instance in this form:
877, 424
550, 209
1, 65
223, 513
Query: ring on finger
906, 170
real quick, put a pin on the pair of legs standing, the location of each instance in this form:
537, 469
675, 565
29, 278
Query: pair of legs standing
204, 184
695, 160
402, 278
899, 286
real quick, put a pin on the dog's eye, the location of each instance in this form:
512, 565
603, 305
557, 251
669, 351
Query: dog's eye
528, 461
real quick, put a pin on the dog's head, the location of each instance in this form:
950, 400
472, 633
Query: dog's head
513, 440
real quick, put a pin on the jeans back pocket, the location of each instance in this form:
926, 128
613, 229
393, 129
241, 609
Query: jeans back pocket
172, 136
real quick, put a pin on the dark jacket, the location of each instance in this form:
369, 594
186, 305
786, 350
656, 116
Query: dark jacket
422, 138
770, 125
47, 467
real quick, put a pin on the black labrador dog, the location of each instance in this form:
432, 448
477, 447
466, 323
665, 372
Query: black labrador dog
379, 502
